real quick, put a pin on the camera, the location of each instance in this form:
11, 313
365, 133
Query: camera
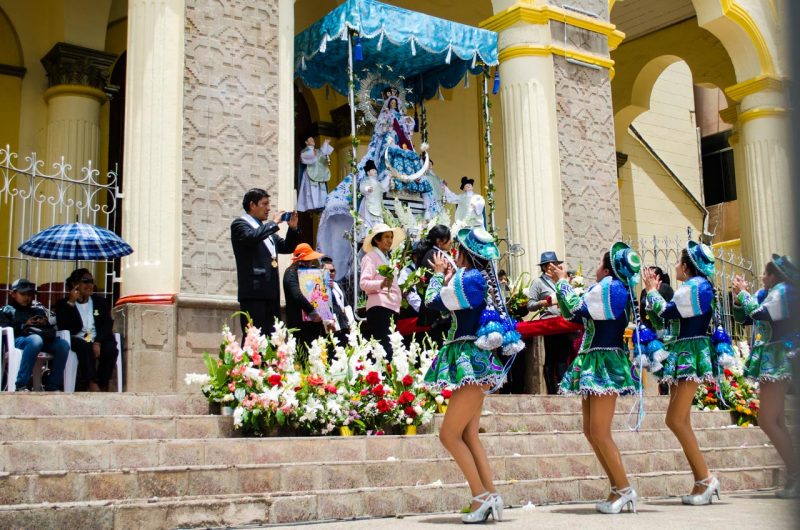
286, 216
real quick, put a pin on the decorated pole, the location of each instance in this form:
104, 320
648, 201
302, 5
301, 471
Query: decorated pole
351, 99
487, 138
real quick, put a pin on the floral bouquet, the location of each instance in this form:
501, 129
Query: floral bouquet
731, 392
578, 282
396, 262
517, 302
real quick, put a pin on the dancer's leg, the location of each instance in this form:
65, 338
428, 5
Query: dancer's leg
600, 418
586, 410
679, 421
772, 420
472, 439
460, 412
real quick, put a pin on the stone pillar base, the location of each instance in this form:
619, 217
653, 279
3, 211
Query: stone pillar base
162, 343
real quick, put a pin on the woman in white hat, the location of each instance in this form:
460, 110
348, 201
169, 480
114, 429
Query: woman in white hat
383, 291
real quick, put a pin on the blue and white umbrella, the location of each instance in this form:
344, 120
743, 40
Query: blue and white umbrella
76, 241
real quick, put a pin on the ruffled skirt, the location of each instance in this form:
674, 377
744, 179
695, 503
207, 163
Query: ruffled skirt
689, 360
770, 362
600, 372
463, 363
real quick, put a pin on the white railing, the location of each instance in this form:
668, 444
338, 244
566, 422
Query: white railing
32, 200
664, 253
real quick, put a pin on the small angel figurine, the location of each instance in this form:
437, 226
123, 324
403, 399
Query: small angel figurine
315, 176
469, 205
371, 207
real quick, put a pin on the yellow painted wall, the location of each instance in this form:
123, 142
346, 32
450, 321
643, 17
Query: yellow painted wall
651, 203
669, 126
10, 86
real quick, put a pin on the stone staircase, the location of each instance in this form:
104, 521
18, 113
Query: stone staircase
161, 461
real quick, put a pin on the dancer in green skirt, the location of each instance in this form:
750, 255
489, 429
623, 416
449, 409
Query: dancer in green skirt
467, 361
775, 344
602, 370
691, 360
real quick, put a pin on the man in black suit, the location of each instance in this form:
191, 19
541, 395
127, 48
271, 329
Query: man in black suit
87, 317
256, 246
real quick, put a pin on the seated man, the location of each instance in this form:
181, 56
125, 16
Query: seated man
87, 317
342, 311
33, 334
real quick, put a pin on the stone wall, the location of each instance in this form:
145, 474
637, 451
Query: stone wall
587, 152
230, 144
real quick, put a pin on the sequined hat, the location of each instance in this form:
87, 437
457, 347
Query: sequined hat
702, 257
625, 263
479, 243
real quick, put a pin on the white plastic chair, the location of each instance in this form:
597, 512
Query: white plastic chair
15, 359
71, 369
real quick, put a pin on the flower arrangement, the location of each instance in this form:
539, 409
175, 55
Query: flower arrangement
397, 260
518, 296
350, 385
578, 282
731, 391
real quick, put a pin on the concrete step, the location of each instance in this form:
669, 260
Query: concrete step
253, 509
568, 421
209, 426
100, 404
57, 455
114, 427
117, 404
145, 483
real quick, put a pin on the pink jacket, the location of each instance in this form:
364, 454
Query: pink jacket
370, 283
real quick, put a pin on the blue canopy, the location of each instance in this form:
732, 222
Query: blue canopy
422, 51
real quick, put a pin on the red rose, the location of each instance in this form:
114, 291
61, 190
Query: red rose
408, 380
389, 369
373, 378
364, 392
406, 397
274, 379
446, 393
410, 412
378, 390
728, 372
734, 384
331, 388
384, 406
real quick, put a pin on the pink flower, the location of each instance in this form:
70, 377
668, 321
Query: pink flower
232, 386
331, 388
256, 358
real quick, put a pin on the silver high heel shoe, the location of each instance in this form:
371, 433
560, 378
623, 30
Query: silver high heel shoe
481, 514
627, 497
497, 509
712, 486
792, 488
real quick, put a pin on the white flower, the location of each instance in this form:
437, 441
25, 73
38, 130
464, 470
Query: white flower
202, 379
439, 399
227, 398
252, 373
409, 421
237, 416
418, 409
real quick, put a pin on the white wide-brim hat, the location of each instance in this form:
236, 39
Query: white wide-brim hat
399, 236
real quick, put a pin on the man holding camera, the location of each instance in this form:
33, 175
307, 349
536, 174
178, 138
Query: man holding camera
33, 333
256, 246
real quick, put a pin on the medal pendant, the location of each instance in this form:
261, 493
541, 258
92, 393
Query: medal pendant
274, 263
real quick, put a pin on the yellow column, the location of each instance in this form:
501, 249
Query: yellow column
153, 148
530, 137
76, 78
762, 170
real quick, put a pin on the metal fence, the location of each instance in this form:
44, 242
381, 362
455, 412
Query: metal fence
32, 200
665, 252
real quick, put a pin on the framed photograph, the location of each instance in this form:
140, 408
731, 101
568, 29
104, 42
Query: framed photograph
314, 286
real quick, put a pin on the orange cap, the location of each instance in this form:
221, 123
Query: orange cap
304, 252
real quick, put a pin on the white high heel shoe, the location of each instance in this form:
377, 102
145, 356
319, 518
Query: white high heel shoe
627, 497
497, 509
712, 486
481, 514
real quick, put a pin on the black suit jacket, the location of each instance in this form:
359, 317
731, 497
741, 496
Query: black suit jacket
68, 317
254, 273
